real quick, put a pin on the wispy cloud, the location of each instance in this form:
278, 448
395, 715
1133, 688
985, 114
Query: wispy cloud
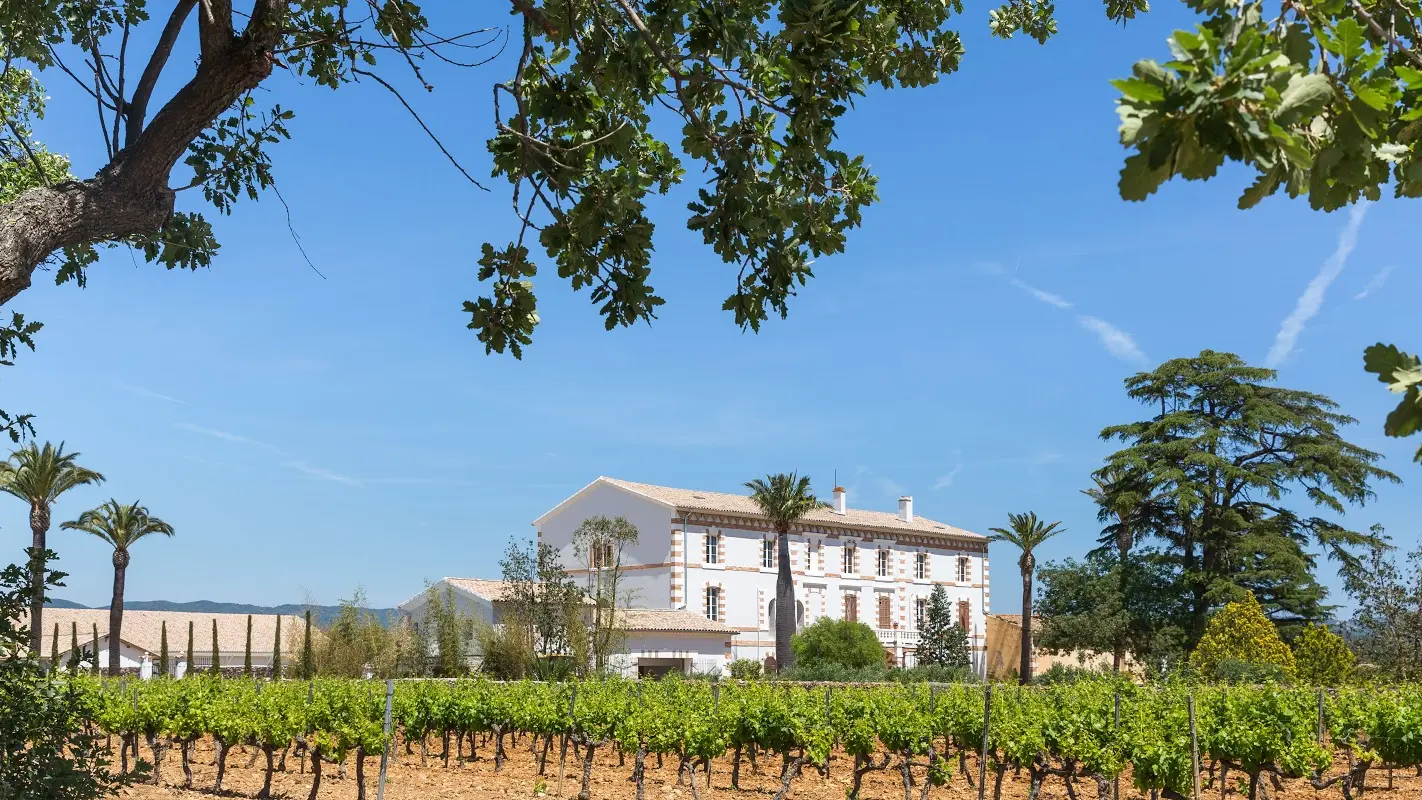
1312, 298
890, 487
1116, 341
945, 481
1374, 283
150, 394
223, 435
322, 474
1045, 296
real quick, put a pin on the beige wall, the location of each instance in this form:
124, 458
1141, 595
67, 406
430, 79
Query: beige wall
1004, 651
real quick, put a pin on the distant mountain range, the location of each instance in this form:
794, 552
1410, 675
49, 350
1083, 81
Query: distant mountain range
321, 615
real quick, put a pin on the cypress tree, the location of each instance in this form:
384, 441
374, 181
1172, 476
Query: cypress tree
54, 650
189, 667
247, 653
94, 667
73, 647
308, 657
163, 649
216, 656
276, 652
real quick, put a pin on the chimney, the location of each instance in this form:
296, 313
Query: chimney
906, 508
839, 499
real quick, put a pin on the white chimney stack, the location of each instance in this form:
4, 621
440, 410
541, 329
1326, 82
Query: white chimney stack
839, 499
906, 508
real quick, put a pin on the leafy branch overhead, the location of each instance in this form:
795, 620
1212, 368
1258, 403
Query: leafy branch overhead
754, 88
1402, 372
1320, 99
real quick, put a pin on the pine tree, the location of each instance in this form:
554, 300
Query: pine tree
276, 652
94, 665
54, 649
308, 656
189, 667
216, 656
247, 653
73, 647
163, 649
941, 641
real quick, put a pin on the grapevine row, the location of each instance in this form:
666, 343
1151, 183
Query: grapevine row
1085, 733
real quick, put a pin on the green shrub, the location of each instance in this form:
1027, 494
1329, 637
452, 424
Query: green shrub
1235, 671
1240, 632
1065, 673
745, 669
834, 673
1321, 657
840, 642
931, 673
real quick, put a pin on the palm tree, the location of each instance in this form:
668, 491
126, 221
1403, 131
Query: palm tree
1026, 532
783, 499
120, 525
1128, 503
39, 475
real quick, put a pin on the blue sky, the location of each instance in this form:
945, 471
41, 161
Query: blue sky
306, 435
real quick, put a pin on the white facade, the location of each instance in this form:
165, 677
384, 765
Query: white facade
655, 640
712, 554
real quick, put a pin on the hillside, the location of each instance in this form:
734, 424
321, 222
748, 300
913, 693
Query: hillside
321, 615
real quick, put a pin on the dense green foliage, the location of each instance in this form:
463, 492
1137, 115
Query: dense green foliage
1223, 447
1086, 606
47, 749
1386, 629
942, 641
837, 642
1064, 730
1240, 632
1402, 372
1321, 657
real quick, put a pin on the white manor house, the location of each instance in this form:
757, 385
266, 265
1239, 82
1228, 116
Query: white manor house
705, 564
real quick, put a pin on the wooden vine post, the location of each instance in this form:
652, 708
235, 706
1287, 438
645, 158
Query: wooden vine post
1194, 750
982, 755
388, 740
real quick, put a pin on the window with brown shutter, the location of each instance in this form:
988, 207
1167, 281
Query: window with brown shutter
885, 612
851, 608
964, 614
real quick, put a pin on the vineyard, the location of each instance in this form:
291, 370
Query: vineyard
1060, 740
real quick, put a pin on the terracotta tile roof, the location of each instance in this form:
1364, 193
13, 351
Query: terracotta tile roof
742, 505
490, 590
658, 619
143, 630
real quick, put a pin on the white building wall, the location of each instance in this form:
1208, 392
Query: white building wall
665, 554
647, 566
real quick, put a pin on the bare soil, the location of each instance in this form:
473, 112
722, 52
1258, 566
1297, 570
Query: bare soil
477, 779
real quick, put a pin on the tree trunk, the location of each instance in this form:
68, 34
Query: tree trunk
130, 195
39, 527
784, 604
360, 773
183, 749
116, 613
266, 791
585, 793
1123, 548
315, 772
221, 765
1024, 672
